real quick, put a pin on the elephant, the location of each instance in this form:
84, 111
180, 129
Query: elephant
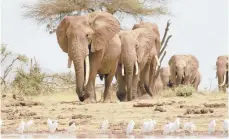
165, 77
92, 43
153, 61
183, 68
222, 72
138, 47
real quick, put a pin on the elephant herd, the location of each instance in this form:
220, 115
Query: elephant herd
95, 44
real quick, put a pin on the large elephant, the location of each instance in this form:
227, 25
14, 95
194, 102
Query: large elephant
93, 45
222, 72
153, 61
183, 68
138, 47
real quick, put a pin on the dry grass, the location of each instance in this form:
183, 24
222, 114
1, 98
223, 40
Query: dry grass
63, 105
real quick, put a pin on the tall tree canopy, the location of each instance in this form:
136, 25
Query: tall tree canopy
50, 12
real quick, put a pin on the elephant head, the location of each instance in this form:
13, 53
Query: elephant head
222, 71
177, 65
79, 35
153, 27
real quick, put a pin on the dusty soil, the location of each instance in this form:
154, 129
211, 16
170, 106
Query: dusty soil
198, 108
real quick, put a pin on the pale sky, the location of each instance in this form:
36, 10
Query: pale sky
199, 27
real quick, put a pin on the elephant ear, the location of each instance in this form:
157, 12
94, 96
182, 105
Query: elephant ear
171, 60
105, 27
61, 33
192, 64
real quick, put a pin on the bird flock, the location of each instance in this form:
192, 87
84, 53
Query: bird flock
147, 126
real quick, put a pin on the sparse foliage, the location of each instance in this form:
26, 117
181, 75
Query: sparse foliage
31, 83
4, 54
36, 82
50, 12
184, 90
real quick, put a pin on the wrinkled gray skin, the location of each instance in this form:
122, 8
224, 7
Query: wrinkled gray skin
222, 72
93, 36
137, 47
183, 69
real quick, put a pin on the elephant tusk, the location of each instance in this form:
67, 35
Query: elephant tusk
87, 70
156, 69
158, 62
69, 62
136, 66
224, 80
123, 70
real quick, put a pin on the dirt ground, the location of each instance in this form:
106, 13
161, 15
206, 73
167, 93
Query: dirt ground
198, 108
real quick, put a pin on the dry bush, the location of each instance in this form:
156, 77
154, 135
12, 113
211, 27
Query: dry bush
32, 82
184, 90
36, 82
9, 67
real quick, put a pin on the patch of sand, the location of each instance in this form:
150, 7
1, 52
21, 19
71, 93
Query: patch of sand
64, 107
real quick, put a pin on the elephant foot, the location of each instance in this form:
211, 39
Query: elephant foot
110, 100
89, 100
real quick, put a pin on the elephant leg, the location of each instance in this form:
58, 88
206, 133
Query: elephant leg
95, 62
109, 95
144, 81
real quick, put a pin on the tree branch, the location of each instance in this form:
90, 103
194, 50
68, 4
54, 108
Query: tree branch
164, 47
166, 31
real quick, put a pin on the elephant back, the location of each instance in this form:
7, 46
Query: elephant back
152, 26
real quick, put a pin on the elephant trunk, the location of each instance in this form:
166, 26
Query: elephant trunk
129, 70
79, 72
179, 77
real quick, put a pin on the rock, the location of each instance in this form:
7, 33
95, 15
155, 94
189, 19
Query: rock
204, 111
80, 116
160, 109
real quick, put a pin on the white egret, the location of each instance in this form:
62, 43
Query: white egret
130, 127
190, 127
72, 127
167, 128
104, 125
225, 126
211, 127
52, 125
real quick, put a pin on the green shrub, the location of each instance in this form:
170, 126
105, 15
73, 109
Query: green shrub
184, 90
32, 82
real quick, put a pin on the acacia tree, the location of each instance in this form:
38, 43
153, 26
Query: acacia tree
51, 12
